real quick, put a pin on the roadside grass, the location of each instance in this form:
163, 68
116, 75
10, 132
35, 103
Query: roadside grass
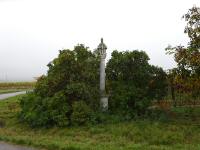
180, 133
4, 91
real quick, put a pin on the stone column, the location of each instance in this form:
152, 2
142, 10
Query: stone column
102, 75
104, 98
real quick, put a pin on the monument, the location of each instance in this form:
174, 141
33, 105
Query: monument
103, 97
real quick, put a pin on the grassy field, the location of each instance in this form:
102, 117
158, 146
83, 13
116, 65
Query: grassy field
181, 133
9, 87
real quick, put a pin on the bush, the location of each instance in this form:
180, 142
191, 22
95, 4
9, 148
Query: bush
70, 90
81, 113
2, 123
158, 114
133, 83
48, 111
71, 77
128, 99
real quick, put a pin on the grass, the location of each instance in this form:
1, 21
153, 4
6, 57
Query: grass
182, 133
10, 91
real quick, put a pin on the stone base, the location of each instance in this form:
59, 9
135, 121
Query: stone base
104, 103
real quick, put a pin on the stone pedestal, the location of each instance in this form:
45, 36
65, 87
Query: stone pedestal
104, 103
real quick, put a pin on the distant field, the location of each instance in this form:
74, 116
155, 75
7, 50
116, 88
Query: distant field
17, 85
9, 87
180, 133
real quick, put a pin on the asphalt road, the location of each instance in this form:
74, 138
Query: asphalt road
5, 146
7, 95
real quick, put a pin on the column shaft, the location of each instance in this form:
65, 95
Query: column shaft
102, 76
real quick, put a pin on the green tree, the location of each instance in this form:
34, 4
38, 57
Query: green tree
187, 78
132, 82
72, 76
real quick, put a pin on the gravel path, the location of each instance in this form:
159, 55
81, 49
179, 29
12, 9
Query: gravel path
7, 95
5, 146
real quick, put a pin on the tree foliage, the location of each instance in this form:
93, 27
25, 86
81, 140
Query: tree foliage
72, 76
69, 93
186, 77
133, 82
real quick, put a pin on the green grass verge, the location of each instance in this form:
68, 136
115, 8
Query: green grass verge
4, 91
140, 135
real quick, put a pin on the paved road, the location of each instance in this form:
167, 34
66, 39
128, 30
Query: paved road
5, 146
7, 95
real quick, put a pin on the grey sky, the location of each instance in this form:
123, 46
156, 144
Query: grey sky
32, 31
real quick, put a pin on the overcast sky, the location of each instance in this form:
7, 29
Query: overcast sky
32, 31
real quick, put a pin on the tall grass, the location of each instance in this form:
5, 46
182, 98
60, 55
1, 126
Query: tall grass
180, 134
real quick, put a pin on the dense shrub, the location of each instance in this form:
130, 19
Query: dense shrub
69, 93
47, 111
81, 113
2, 123
71, 77
133, 83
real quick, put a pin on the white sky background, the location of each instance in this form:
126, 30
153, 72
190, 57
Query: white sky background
32, 31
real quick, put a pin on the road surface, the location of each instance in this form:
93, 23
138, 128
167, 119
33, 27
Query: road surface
5, 146
7, 95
